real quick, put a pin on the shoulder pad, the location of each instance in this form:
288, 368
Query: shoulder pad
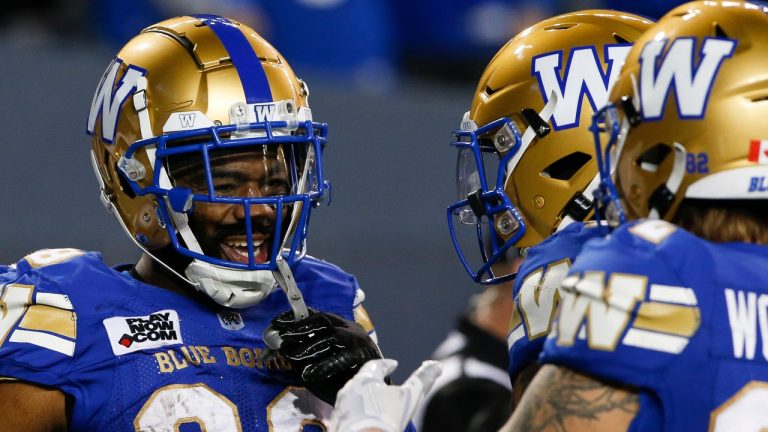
46, 257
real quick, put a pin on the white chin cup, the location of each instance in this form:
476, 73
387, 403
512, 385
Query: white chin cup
231, 288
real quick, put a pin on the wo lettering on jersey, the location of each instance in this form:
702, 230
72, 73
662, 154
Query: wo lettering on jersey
108, 99
676, 71
130, 334
584, 76
748, 318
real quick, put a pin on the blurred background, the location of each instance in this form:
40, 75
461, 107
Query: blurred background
391, 77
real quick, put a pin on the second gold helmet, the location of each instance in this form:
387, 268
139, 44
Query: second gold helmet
687, 114
526, 162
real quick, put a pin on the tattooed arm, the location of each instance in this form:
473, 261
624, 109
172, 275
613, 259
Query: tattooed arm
560, 400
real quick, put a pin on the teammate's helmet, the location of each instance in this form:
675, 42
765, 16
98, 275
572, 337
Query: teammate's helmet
687, 117
526, 164
180, 94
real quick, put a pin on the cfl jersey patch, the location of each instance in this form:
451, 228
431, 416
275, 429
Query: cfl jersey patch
230, 320
682, 319
136, 357
536, 292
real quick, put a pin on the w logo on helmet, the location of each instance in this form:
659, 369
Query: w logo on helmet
187, 120
584, 76
107, 100
692, 86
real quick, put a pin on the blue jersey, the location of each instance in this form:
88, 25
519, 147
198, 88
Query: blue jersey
137, 357
535, 292
682, 319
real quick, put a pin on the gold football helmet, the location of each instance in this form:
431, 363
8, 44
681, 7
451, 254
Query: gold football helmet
687, 114
526, 164
189, 95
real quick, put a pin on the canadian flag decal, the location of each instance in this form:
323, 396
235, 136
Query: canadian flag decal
758, 151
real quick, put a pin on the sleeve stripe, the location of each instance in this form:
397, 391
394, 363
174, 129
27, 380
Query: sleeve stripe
56, 300
655, 341
44, 340
373, 336
515, 335
359, 298
362, 318
668, 318
673, 294
50, 319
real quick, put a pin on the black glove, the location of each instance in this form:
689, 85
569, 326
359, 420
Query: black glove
324, 349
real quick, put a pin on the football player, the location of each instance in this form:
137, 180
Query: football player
663, 324
527, 167
206, 152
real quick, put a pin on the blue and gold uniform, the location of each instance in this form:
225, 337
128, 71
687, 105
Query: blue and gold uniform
536, 292
681, 319
137, 357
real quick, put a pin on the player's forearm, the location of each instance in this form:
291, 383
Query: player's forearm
31, 408
559, 399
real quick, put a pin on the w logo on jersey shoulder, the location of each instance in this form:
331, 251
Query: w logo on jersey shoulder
692, 85
109, 98
584, 76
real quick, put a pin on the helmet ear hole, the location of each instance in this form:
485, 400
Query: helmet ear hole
653, 157
489, 91
567, 166
620, 39
719, 32
563, 26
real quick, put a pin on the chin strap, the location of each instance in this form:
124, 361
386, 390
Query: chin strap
663, 197
284, 277
283, 274
530, 132
228, 287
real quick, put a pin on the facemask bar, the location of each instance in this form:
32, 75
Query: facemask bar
487, 200
177, 202
607, 202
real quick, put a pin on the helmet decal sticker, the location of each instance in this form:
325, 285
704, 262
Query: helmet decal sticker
758, 151
583, 76
692, 85
187, 120
108, 102
758, 184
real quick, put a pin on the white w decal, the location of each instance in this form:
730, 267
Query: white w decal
264, 112
692, 87
187, 120
584, 74
108, 103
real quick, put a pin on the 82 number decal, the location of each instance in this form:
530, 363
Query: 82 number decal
697, 163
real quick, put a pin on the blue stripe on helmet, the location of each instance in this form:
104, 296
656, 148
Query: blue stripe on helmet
245, 59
